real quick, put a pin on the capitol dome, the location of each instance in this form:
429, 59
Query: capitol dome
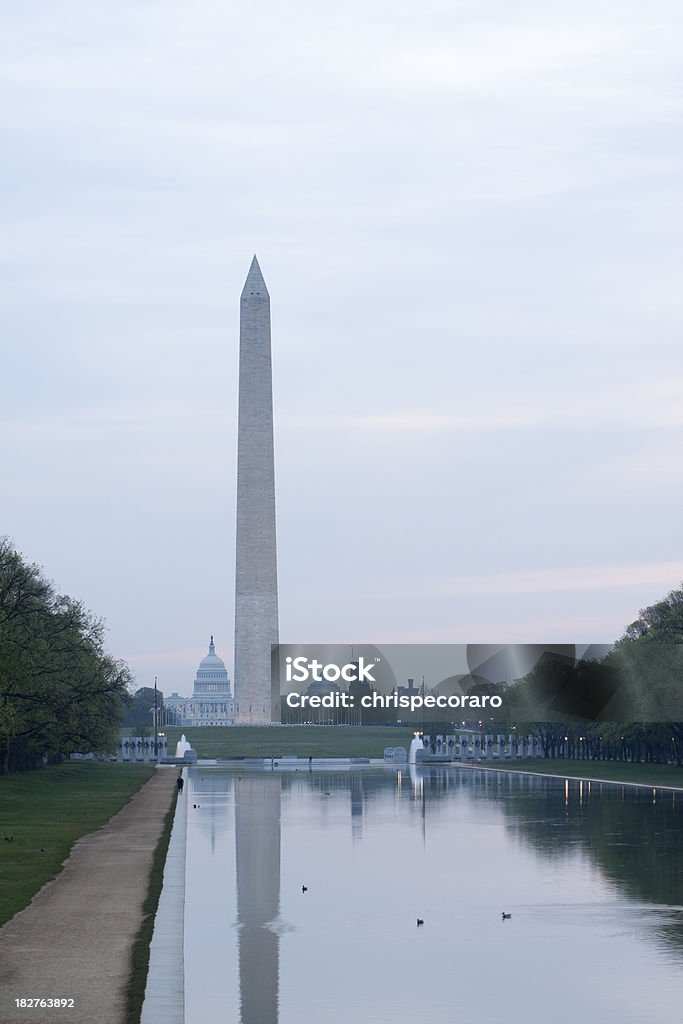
212, 667
211, 700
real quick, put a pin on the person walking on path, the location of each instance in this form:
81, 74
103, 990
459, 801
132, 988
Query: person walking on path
180, 783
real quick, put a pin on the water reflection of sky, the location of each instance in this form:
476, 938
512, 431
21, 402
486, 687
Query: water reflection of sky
591, 876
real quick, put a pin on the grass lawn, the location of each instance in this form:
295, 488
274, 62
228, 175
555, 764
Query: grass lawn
47, 811
612, 771
304, 740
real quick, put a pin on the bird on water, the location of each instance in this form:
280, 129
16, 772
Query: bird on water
506, 917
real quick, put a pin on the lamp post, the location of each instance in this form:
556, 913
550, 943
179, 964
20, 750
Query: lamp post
156, 724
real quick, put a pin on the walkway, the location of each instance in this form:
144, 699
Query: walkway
74, 940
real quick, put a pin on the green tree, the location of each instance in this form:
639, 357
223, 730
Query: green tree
649, 661
661, 622
138, 712
59, 690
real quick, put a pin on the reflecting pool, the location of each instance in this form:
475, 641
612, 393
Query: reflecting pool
590, 873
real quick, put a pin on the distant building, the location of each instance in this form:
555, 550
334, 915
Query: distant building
211, 700
411, 690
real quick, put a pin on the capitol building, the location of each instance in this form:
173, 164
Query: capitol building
211, 701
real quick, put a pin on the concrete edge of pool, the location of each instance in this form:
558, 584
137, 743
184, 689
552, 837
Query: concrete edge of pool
165, 989
335, 763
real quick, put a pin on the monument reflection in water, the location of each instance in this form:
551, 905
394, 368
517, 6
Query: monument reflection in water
590, 873
257, 841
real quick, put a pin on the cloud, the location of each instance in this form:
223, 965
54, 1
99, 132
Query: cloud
564, 580
507, 403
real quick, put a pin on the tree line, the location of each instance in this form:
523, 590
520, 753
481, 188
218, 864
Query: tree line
59, 689
626, 707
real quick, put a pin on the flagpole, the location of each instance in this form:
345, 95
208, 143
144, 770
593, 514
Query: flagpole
156, 724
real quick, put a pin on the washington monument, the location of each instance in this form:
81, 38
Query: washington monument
257, 696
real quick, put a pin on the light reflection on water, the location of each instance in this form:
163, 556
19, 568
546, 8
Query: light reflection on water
590, 874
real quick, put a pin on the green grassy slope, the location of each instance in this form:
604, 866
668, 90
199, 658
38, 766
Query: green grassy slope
46, 811
302, 740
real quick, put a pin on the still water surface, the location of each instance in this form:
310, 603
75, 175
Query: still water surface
590, 873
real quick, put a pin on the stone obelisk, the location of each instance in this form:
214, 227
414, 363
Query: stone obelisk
257, 697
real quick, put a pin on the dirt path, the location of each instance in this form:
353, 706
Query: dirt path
75, 938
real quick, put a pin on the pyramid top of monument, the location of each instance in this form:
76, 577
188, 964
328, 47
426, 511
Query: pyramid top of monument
254, 284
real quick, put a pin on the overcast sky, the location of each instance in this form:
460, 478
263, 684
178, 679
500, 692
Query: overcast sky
469, 218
